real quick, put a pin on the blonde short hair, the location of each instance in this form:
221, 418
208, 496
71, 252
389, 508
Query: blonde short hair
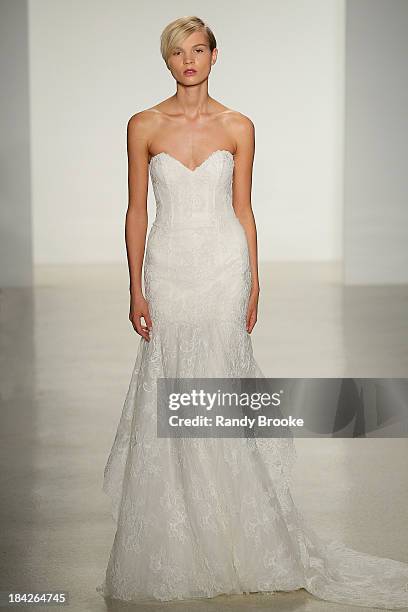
178, 30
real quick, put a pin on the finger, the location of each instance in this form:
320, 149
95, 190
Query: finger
148, 320
248, 319
146, 333
138, 327
253, 322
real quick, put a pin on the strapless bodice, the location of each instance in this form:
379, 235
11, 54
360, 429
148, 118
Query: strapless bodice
196, 198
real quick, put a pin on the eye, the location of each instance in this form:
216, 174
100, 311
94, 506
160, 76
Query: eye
200, 50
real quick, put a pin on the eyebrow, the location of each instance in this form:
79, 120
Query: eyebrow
197, 45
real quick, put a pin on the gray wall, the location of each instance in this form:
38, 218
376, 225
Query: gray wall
15, 205
376, 142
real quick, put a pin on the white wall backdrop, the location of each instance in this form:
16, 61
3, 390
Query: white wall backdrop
94, 63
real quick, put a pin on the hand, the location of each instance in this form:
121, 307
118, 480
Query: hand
252, 312
139, 308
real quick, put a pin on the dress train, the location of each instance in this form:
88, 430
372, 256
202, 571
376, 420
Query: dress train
199, 517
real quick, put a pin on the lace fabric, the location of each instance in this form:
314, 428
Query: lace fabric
199, 517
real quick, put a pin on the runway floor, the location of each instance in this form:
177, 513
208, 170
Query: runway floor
67, 352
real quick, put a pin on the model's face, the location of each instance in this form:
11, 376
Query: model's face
191, 62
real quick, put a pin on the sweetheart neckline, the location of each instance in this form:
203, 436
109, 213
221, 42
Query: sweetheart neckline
197, 167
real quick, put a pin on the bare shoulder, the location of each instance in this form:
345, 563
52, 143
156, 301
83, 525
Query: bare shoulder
240, 122
154, 115
241, 128
144, 119
142, 126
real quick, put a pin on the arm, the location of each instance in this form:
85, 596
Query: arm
244, 133
137, 219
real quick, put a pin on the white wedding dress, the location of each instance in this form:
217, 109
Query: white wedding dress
198, 517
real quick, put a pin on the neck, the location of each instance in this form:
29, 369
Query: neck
192, 101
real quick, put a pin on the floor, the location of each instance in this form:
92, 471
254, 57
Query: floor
67, 352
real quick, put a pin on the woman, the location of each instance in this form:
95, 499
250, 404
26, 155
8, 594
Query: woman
198, 517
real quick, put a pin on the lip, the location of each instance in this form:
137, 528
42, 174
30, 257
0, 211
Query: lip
190, 72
